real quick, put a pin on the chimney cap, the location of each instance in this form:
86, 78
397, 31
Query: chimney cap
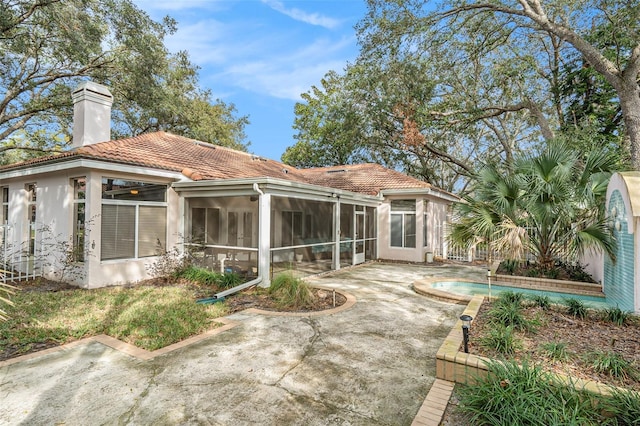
93, 91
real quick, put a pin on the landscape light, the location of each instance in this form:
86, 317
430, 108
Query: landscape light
466, 324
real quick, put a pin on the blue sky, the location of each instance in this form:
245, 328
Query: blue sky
262, 54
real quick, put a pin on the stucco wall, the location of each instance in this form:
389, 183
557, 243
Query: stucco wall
436, 216
54, 212
122, 271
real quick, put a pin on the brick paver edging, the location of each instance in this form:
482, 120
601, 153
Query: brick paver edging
435, 404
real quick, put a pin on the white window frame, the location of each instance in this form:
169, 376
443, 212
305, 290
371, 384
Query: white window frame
403, 215
136, 204
78, 252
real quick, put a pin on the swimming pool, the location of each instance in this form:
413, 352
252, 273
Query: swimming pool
464, 288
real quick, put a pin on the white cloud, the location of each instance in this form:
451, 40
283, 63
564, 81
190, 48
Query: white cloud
302, 16
173, 5
286, 75
248, 52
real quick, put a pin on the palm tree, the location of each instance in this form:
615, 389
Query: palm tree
550, 204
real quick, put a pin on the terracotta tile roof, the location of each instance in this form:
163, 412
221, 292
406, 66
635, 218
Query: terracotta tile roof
202, 161
363, 178
161, 150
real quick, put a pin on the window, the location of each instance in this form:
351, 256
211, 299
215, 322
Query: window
79, 191
31, 215
205, 225
134, 219
403, 223
4, 219
291, 228
5, 206
425, 240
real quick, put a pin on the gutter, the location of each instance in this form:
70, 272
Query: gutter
219, 297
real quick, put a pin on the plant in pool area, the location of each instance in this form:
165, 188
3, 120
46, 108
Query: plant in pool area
510, 297
549, 204
501, 339
557, 351
575, 307
510, 266
616, 315
514, 394
622, 407
552, 273
507, 311
541, 301
289, 291
613, 364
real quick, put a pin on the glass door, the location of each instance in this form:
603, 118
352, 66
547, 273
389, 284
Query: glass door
359, 256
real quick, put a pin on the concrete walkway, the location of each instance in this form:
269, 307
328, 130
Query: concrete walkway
372, 364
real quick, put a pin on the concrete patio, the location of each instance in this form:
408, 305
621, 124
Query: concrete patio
371, 364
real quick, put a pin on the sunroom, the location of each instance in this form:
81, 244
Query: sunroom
262, 227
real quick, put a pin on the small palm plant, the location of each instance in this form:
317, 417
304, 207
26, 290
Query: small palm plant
550, 204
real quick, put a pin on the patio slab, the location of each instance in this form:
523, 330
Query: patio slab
371, 364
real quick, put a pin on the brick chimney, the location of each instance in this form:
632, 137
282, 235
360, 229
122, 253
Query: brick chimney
91, 114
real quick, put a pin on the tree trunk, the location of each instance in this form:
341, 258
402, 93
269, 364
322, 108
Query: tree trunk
630, 105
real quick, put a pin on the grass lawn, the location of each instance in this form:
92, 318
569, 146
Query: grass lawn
149, 317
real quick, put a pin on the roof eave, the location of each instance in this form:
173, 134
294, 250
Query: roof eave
273, 185
435, 192
73, 162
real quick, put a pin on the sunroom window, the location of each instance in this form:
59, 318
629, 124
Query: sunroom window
134, 219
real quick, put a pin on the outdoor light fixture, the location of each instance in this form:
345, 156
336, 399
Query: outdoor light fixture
466, 323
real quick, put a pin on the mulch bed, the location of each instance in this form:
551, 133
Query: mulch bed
582, 337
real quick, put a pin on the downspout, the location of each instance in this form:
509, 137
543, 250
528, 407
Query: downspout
219, 297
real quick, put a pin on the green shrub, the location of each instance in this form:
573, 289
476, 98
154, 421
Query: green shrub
541, 300
229, 279
613, 364
622, 407
616, 315
513, 394
289, 291
510, 297
555, 350
575, 307
510, 314
200, 275
533, 273
552, 273
510, 266
501, 339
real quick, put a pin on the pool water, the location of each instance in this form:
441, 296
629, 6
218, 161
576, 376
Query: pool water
471, 289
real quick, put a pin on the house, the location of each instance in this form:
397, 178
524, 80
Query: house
107, 208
